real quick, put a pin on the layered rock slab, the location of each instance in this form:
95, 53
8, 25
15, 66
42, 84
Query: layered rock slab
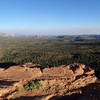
61, 80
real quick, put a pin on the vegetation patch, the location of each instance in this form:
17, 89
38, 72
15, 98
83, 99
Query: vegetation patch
33, 86
54, 51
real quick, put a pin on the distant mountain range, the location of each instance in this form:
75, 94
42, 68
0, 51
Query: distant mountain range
76, 37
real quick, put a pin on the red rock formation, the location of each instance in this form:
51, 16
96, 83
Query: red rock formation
63, 80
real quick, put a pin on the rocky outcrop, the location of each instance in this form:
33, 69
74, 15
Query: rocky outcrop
62, 80
67, 78
6, 92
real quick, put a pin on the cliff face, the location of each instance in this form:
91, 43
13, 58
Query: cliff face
61, 80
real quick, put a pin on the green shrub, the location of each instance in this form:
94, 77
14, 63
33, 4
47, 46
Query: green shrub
33, 86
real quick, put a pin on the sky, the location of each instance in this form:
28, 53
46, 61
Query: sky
50, 17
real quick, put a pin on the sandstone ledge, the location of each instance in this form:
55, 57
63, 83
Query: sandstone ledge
56, 80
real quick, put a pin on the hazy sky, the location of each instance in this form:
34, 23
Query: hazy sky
50, 16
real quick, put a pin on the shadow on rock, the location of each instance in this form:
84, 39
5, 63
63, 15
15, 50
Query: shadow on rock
7, 83
7, 65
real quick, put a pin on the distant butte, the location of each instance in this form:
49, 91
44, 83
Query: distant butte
7, 35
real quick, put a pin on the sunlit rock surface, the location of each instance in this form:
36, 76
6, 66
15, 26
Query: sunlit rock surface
56, 81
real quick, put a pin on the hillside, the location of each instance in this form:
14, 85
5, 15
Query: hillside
29, 82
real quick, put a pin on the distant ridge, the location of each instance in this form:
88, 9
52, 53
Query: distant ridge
7, 35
